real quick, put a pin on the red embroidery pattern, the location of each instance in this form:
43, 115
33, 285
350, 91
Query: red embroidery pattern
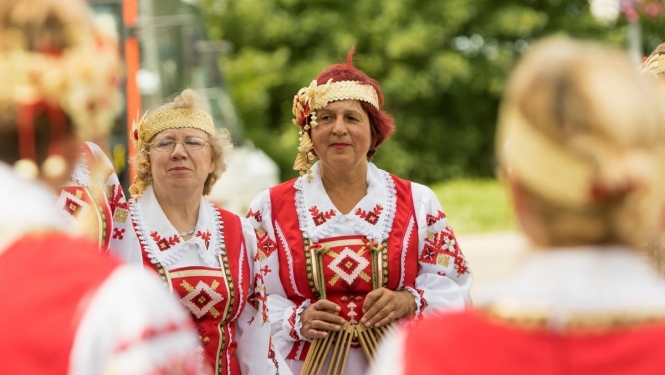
256, 215
164, 243
431, 219
440, 247
292, 323
118, 233
152, 333
370, 216
320, 217
117, 199
265, 244
205, 237
423, 301
258, 298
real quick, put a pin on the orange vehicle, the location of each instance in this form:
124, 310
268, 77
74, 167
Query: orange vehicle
165, 48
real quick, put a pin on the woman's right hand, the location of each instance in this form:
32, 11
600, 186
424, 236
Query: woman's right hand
319, 318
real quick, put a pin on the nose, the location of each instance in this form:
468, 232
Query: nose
179, 151
339, 126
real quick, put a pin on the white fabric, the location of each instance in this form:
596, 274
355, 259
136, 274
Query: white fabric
20, 201
107, 323
440, 292
149, 217
389, 359
252, 334
565, 282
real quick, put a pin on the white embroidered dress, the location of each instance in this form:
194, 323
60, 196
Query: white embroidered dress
396, 237
216, 275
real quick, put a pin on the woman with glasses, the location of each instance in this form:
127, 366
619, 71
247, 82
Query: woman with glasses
205, 254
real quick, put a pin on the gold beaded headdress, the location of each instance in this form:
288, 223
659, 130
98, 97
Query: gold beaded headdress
654, 64
315, 96
174, 118
74, 69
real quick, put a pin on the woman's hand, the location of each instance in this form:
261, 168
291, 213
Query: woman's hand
319, 318
383, 306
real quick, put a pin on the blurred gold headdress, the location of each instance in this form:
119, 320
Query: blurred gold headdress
52, 56
315, 96
655, 63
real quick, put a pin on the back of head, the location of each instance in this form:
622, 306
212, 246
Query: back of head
58, 76
581, 130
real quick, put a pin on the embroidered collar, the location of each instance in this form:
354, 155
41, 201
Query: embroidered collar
372, 217
81, 174
578, 281
161, 240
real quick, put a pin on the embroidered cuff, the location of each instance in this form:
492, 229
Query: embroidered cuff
417, 296
293, 323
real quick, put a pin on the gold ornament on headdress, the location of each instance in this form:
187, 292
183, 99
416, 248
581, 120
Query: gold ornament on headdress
80, 79
315, 96
152, 123
654, 65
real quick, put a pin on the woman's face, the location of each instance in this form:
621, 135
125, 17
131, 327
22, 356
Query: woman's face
343, 136
182, 169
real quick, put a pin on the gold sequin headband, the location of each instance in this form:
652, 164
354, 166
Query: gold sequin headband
315, 96
176, 118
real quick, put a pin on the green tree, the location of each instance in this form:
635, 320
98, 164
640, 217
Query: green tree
441, 65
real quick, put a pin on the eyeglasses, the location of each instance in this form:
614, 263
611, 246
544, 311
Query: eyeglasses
189, 143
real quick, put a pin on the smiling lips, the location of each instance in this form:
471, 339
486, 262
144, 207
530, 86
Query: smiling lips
339, 146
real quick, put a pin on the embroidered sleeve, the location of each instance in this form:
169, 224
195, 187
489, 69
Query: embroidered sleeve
292, 323
280, 308
444, 278
253, 325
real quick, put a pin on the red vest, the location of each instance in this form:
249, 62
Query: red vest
44, 280
213, 296
470, 343
284, 216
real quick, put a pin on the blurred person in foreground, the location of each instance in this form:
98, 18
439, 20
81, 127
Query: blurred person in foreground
349, 248
205, 255
67, 310
581, 144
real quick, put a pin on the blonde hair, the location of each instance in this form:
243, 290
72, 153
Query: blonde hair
583, 133
220, 141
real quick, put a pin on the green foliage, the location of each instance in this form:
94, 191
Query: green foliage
441, 65
475, 206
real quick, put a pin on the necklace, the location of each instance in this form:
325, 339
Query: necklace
185, 234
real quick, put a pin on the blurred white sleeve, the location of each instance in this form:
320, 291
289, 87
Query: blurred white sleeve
132, 325
389, 356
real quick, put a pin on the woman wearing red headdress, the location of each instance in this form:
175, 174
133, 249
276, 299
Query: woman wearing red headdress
348, 248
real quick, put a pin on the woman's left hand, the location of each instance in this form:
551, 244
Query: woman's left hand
383, 306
